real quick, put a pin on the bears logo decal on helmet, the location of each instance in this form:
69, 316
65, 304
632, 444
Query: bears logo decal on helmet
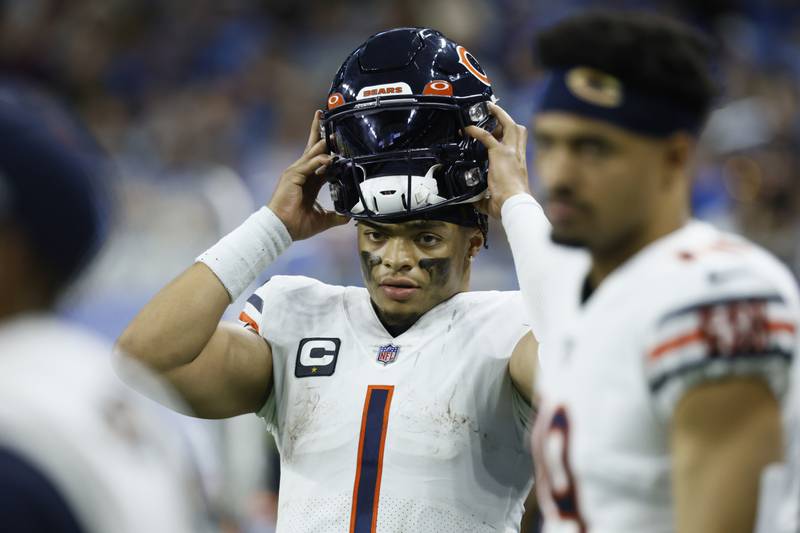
438, 87
384, 89
335, 100
472, 65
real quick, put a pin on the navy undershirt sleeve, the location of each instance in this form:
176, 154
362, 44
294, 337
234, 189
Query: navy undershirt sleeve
29, 502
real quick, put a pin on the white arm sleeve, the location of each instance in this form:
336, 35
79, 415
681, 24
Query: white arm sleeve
528, 232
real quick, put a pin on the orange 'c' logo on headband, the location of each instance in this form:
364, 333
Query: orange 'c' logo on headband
595, 87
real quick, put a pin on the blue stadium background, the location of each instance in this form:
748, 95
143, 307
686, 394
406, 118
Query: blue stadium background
202, 104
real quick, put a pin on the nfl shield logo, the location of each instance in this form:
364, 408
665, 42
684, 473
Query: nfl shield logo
387, 353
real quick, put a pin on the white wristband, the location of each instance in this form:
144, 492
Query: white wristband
518, 199
528, 232
240, 256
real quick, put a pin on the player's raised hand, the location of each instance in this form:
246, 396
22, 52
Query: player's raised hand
508, 169
295, 198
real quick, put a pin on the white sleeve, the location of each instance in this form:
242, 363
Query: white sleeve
728, 333
528, 232
278, 312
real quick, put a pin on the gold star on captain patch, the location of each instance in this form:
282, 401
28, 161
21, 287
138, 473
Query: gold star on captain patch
314, 370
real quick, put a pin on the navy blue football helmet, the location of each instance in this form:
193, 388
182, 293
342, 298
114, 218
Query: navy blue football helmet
395, 117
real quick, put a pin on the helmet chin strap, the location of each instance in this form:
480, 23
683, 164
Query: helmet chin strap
387, 195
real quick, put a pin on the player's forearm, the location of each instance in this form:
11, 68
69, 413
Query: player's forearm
527, 229
175, 326
721, 499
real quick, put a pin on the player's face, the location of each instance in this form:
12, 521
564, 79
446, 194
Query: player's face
412, 266
601, 181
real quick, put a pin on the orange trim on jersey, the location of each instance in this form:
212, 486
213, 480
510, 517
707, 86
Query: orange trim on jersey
389, 391
674, 344
722, 245
688, 338
244, 317
788, 327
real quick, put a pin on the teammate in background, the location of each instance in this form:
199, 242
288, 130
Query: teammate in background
667, 341
779, 499
79, 451
396, 407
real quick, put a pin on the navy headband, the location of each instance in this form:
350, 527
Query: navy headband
593, 94
50, 183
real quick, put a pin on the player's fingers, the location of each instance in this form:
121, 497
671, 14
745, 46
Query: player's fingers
497, 133
522, 141
313, 135
319, 148
482, 136
306, 168
332, 218
510, 132
311, 191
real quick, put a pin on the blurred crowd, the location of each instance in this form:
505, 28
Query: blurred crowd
202, 104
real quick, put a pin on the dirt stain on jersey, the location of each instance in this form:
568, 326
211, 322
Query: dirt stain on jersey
303, 414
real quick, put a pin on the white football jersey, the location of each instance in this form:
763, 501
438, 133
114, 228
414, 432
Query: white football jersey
111, 454
694, 306
419, 432
779, 504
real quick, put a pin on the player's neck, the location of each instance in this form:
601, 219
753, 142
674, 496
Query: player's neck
395, 324
17, 303
606, 261
26, 295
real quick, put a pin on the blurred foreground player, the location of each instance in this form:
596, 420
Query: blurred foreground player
667, 341
79, 451
399, 407
779, 501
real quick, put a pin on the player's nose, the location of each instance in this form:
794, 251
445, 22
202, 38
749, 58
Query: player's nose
559, 169
398, 254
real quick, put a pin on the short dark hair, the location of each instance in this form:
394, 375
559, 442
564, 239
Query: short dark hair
652, 52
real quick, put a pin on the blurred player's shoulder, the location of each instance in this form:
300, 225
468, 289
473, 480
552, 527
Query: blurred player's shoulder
700, 262
65, 411
718, 305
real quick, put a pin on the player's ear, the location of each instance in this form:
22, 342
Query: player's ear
475, 243
678, 152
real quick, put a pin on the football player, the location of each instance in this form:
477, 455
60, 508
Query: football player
401, 406
79, 451
667, 341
